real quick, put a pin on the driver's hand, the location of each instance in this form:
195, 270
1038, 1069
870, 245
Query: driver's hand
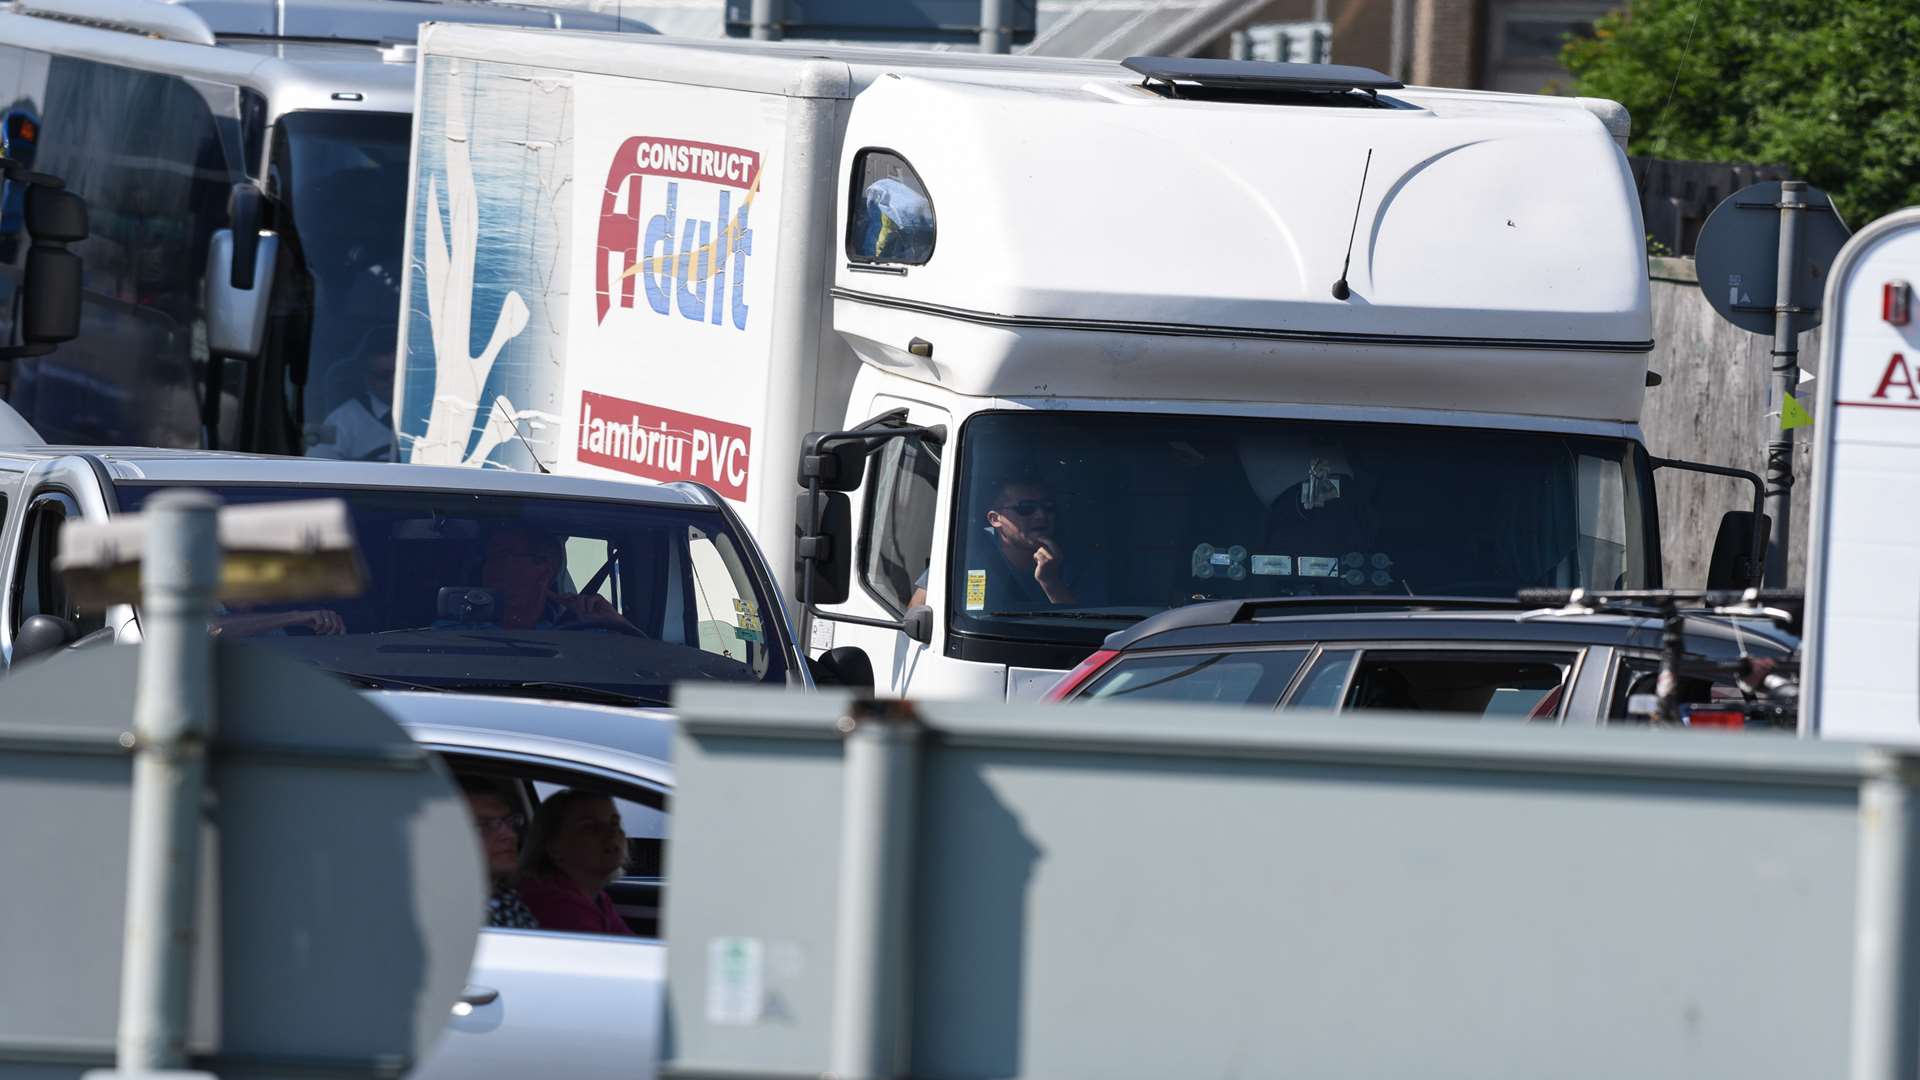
321, 621
1047, 562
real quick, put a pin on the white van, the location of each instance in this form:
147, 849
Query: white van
1111, 337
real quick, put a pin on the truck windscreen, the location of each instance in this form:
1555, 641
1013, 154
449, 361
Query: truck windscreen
1072, 525
344, 179
529, 596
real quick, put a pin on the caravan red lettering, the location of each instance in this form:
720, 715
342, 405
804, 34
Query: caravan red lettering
1897, 375
661, 444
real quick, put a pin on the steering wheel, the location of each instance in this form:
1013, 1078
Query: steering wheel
572, 621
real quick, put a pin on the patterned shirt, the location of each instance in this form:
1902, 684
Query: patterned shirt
505, 908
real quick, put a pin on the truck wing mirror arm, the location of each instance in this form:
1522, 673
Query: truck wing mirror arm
1755, 552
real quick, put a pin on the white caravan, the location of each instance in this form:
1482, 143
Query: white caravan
1860, 674
1114, 337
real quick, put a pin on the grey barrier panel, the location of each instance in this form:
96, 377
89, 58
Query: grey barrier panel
349, 893
1138, 891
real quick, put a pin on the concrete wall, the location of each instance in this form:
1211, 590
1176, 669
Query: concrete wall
1711, 408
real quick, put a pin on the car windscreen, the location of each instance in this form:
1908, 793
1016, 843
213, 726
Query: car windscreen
527, 595
1071, 525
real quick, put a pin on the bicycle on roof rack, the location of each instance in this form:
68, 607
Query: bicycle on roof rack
1770, 688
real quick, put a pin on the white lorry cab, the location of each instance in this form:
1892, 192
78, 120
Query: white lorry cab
1039, 346
244, 163
1860, 672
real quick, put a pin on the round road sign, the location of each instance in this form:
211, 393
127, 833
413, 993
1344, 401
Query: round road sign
1738, 256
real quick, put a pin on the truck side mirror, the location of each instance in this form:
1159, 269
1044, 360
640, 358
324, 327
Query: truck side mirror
240, 276
823, 547
42, 634
836, 463
50, 313
1738, 558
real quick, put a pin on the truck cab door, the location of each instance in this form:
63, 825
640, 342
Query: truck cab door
896, 523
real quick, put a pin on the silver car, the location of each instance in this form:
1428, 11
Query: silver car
543, 1002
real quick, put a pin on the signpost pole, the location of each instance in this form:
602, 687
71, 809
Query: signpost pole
172, 723
767, 16
1786, 370
993, 27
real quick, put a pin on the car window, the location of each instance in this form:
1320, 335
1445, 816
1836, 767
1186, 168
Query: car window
1322, 685
1494, 684
41, 589
1243, 678
1637, 675
896, 540
634, 892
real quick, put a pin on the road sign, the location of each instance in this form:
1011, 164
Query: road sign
1737, 257
342, 890
895, 20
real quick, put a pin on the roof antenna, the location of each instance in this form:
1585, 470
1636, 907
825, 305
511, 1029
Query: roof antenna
523, 438
1340, 290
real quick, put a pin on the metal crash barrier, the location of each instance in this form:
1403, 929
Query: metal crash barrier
970, 890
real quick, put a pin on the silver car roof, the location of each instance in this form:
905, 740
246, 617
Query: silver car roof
136, 465
634, 743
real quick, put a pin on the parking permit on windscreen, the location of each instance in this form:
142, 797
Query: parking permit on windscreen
1319, 566
1272, 565
976, 590
736, 981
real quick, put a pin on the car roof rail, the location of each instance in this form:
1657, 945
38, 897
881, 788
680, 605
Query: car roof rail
169, 22
1309, 605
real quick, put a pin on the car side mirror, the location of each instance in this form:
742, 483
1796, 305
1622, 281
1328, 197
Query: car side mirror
823, 547
42, 634
917, 624
844, 666
1738, 557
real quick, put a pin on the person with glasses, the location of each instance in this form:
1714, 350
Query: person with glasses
575, 848
1021, 565
499, 825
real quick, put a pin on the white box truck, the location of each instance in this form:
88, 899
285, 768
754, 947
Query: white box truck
1860, 673
1110, 337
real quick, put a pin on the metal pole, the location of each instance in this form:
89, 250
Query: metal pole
870, 974
1402, 39
1886, 999
993, 27
172, 722
767, 17
1786, 370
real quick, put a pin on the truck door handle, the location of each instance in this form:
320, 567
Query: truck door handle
479, 995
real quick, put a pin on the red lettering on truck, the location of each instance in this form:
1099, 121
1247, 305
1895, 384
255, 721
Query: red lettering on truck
1897, 375
661, 444
705, 246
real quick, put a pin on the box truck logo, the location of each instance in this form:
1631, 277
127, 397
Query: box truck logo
683, 261
661, 444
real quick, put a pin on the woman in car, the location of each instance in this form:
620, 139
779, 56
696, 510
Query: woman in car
499, 824
575, 848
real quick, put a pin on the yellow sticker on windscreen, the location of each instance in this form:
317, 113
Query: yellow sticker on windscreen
976, 590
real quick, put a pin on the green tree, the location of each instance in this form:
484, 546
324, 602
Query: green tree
1826, 87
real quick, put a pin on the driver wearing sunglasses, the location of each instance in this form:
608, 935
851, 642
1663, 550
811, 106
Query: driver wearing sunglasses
1022, 522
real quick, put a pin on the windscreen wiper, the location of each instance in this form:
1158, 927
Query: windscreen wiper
384, 682
1045, 613
563, 691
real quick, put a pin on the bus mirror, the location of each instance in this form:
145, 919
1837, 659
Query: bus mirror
50, 311
246, 212
236, 314
823, 547
836, 461
1738, 557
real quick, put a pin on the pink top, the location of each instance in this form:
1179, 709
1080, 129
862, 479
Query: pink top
561, 905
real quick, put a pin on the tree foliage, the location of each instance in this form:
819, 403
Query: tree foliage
1826, 87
